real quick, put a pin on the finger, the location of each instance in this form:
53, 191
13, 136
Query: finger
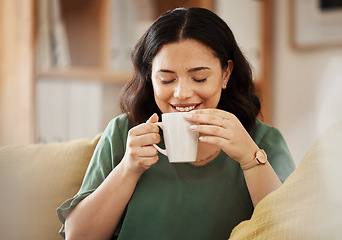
143, 128
217, 141
145, 139
211, 130
148, 152
153, 119
148, 127
207, 119
213, 111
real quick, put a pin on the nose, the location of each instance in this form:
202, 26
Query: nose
183, 90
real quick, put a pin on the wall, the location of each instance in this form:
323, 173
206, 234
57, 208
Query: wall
307, 86
245, 27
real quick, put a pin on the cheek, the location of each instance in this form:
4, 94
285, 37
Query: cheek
160, 92
211, 94
210, 91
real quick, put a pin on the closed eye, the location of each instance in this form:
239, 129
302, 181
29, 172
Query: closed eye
167, 81
200, 80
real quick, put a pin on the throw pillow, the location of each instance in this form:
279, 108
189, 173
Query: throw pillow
309, 204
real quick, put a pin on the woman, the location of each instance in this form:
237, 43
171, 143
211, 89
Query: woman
187, 61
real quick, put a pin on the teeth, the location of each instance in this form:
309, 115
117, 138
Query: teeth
185, 109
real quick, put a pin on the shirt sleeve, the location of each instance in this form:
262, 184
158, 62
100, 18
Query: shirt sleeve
108, 153
278, 154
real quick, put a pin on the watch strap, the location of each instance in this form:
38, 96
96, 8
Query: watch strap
253, 162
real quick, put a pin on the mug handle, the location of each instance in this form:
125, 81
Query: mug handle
162, 151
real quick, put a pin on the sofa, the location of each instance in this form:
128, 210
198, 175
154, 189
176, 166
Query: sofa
35, 179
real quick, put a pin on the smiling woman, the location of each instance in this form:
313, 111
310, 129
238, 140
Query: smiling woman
187, 61
186, 76
216, 43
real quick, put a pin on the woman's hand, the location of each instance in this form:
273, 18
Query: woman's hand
140, 154
224, 130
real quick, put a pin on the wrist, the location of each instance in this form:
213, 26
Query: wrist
129, 171
260, 158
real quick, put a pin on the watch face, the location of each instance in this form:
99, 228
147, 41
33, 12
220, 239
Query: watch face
261, 156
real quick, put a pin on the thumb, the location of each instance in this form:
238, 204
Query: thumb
153, 119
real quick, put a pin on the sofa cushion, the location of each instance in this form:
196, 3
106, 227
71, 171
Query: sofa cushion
34, 180
309, 203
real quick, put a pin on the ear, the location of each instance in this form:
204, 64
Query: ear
226, 74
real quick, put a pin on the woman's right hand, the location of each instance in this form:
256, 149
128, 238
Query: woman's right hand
140, 154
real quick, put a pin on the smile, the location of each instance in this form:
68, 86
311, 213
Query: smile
185, 108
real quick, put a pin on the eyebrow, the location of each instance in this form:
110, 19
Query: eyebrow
198, 69
190, 70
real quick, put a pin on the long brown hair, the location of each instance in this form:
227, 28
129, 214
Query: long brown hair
137, 99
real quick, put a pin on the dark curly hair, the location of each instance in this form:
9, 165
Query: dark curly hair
239, 98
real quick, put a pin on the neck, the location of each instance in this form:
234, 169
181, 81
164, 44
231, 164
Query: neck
206, 153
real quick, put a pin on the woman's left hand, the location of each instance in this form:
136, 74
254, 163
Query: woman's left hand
224, 130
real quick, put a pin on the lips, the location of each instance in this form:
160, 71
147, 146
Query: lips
185, 108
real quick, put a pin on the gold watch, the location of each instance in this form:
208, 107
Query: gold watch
260, 159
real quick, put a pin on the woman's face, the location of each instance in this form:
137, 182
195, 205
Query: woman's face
186, 76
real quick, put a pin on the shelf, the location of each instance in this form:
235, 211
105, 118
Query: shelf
87, 27
86, 24
98, 74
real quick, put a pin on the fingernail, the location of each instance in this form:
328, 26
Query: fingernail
188, 116
193, 127
201, 138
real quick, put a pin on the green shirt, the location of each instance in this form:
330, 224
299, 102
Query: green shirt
180, 200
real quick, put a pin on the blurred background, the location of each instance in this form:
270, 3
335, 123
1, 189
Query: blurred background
64, 62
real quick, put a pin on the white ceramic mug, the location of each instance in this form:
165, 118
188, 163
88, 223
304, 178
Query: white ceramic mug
181, 143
